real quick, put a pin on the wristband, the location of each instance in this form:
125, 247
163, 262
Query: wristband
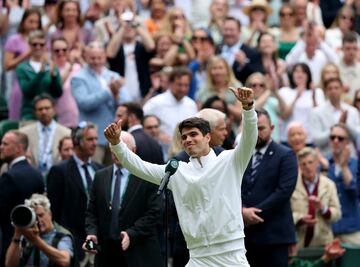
247, 106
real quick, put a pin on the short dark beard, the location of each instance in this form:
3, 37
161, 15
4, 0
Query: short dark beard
261, 143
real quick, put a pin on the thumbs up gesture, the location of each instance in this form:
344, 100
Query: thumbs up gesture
112, 133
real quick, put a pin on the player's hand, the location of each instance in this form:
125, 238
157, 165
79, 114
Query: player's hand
112, 133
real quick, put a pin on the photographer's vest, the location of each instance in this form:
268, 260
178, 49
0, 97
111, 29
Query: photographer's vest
28, 248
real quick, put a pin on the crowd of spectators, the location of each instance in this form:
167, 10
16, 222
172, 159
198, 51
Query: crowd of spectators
68, 68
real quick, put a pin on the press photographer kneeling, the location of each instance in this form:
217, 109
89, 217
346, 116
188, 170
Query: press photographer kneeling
38, 241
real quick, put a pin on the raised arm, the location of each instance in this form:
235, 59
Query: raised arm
144, 170
245, 148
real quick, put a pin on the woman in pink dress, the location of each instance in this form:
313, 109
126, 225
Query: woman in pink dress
17, 50
66, 108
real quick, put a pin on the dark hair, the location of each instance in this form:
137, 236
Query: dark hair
208, 103
194, 122
263, 112
274, 56
150, 116
342, 126
28, 12
60, 19
179, 72
355, 97
62, 140
78, 133
230, 18
134, 108
41, 97
22, 138
330, 80
305, 68
350, 37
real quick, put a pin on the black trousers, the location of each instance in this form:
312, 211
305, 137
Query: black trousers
111, 254
267, 255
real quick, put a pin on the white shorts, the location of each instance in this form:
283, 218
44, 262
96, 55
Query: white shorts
234, 258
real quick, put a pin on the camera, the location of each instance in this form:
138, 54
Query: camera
23, 217
90, 245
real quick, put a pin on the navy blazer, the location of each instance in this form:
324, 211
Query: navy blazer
147, 148
16, 185
254, 64
271, 192
139, 215
68, 199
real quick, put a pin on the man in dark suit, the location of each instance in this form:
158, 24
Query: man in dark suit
69, 184
122, 214
243, 59
17, 184
268, 184
147, 147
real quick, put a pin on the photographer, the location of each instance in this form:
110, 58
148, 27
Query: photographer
43, 244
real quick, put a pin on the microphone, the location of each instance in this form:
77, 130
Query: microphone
170, 169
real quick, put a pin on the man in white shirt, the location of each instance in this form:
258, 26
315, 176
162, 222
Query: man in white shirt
207, 190
333, 111
313, 51
174, 105
349, 67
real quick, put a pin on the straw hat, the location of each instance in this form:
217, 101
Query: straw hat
263, 4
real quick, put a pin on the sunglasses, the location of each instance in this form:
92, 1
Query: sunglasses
57, 51
285, 14
340, 138
37, 44
202, 39
262, 85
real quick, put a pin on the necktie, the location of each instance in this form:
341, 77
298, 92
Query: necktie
256, 162
115, 207
88, 177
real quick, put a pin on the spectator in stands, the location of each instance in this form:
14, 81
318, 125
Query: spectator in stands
107, 26
157, 15
274, 67
349, 65
333, 111
219, 77
312, 51
343, 24
176, 24
151, 125
38, 75
342, 170
204, 48
219, 10
330, 70
258, 12
18, 183
314, 203
243, 59
53, 241
173, 105
16, 51
44, 134
97, 91
286, 34
66, 108
267, 97
70, 26
66, 147
131, 116
306, 11
166, 52
301, 97
69, 185
296, 136
129, 52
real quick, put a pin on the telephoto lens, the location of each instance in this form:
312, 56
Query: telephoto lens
22, 216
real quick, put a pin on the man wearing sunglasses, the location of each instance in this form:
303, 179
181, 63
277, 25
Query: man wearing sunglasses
333, 111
